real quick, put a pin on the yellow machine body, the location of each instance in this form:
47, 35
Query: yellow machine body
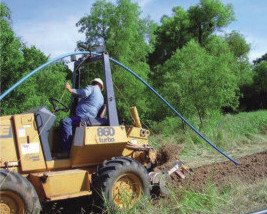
21, 151
93, 145
8, 145
28, 143
61, 184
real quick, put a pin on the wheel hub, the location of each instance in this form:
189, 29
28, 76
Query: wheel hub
127, 190
11, 203
4, 208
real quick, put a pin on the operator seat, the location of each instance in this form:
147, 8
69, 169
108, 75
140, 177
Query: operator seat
100, 120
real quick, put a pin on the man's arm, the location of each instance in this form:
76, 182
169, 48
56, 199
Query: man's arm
78, 92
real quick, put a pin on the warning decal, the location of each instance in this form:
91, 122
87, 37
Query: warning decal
29, 148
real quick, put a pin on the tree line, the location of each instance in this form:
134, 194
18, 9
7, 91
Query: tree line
16, 61
187, 57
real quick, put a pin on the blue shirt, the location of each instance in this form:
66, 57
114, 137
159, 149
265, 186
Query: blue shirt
91, 101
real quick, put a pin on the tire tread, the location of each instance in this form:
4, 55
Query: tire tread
18, 184
111, 169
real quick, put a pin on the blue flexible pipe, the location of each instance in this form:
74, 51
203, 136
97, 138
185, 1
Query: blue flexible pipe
175, 111
130, 71
38, 69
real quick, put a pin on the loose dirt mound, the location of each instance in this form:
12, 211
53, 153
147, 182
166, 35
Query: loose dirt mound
251, 168
167, 155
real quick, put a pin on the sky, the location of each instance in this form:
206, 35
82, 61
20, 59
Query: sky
50, 24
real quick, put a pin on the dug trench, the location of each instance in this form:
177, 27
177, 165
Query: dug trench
251, 169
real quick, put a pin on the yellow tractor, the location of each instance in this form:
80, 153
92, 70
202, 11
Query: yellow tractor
112, 158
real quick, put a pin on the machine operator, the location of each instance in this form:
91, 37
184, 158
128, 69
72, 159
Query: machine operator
89, 105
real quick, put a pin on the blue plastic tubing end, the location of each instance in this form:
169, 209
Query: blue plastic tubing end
134, 74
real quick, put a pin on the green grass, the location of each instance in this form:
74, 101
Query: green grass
245, 198
233, 198
238, 135
237, 129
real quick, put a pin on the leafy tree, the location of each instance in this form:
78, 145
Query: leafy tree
238, 45
262, 58
198, 22
239, 49
11, 56
255, 92
119, 28
96, 25
260, 83
37, 90
52, 79
209, 16
17, 60
171, 34
4, 12
200, 81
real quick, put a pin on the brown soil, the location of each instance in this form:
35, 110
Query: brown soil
167, 155
251, 168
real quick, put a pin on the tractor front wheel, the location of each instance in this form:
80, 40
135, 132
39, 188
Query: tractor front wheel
17, 195
123, 182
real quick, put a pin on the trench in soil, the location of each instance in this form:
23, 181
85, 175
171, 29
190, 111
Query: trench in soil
252, 167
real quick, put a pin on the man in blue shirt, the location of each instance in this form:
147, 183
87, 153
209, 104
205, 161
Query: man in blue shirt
89, 105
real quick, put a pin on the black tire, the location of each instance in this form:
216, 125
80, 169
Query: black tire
122, 168
18, 186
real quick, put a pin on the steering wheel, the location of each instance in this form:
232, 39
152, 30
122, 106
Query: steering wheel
53, 101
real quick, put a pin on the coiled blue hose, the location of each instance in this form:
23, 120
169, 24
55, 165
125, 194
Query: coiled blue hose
134, 74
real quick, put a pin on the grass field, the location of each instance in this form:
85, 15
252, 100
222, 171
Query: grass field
238, 135
234, 198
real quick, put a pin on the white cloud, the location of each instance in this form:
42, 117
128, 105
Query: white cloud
143, 3
52, 37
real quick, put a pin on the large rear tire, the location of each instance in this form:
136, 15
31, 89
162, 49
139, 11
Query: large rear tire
17, 194
123, 182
